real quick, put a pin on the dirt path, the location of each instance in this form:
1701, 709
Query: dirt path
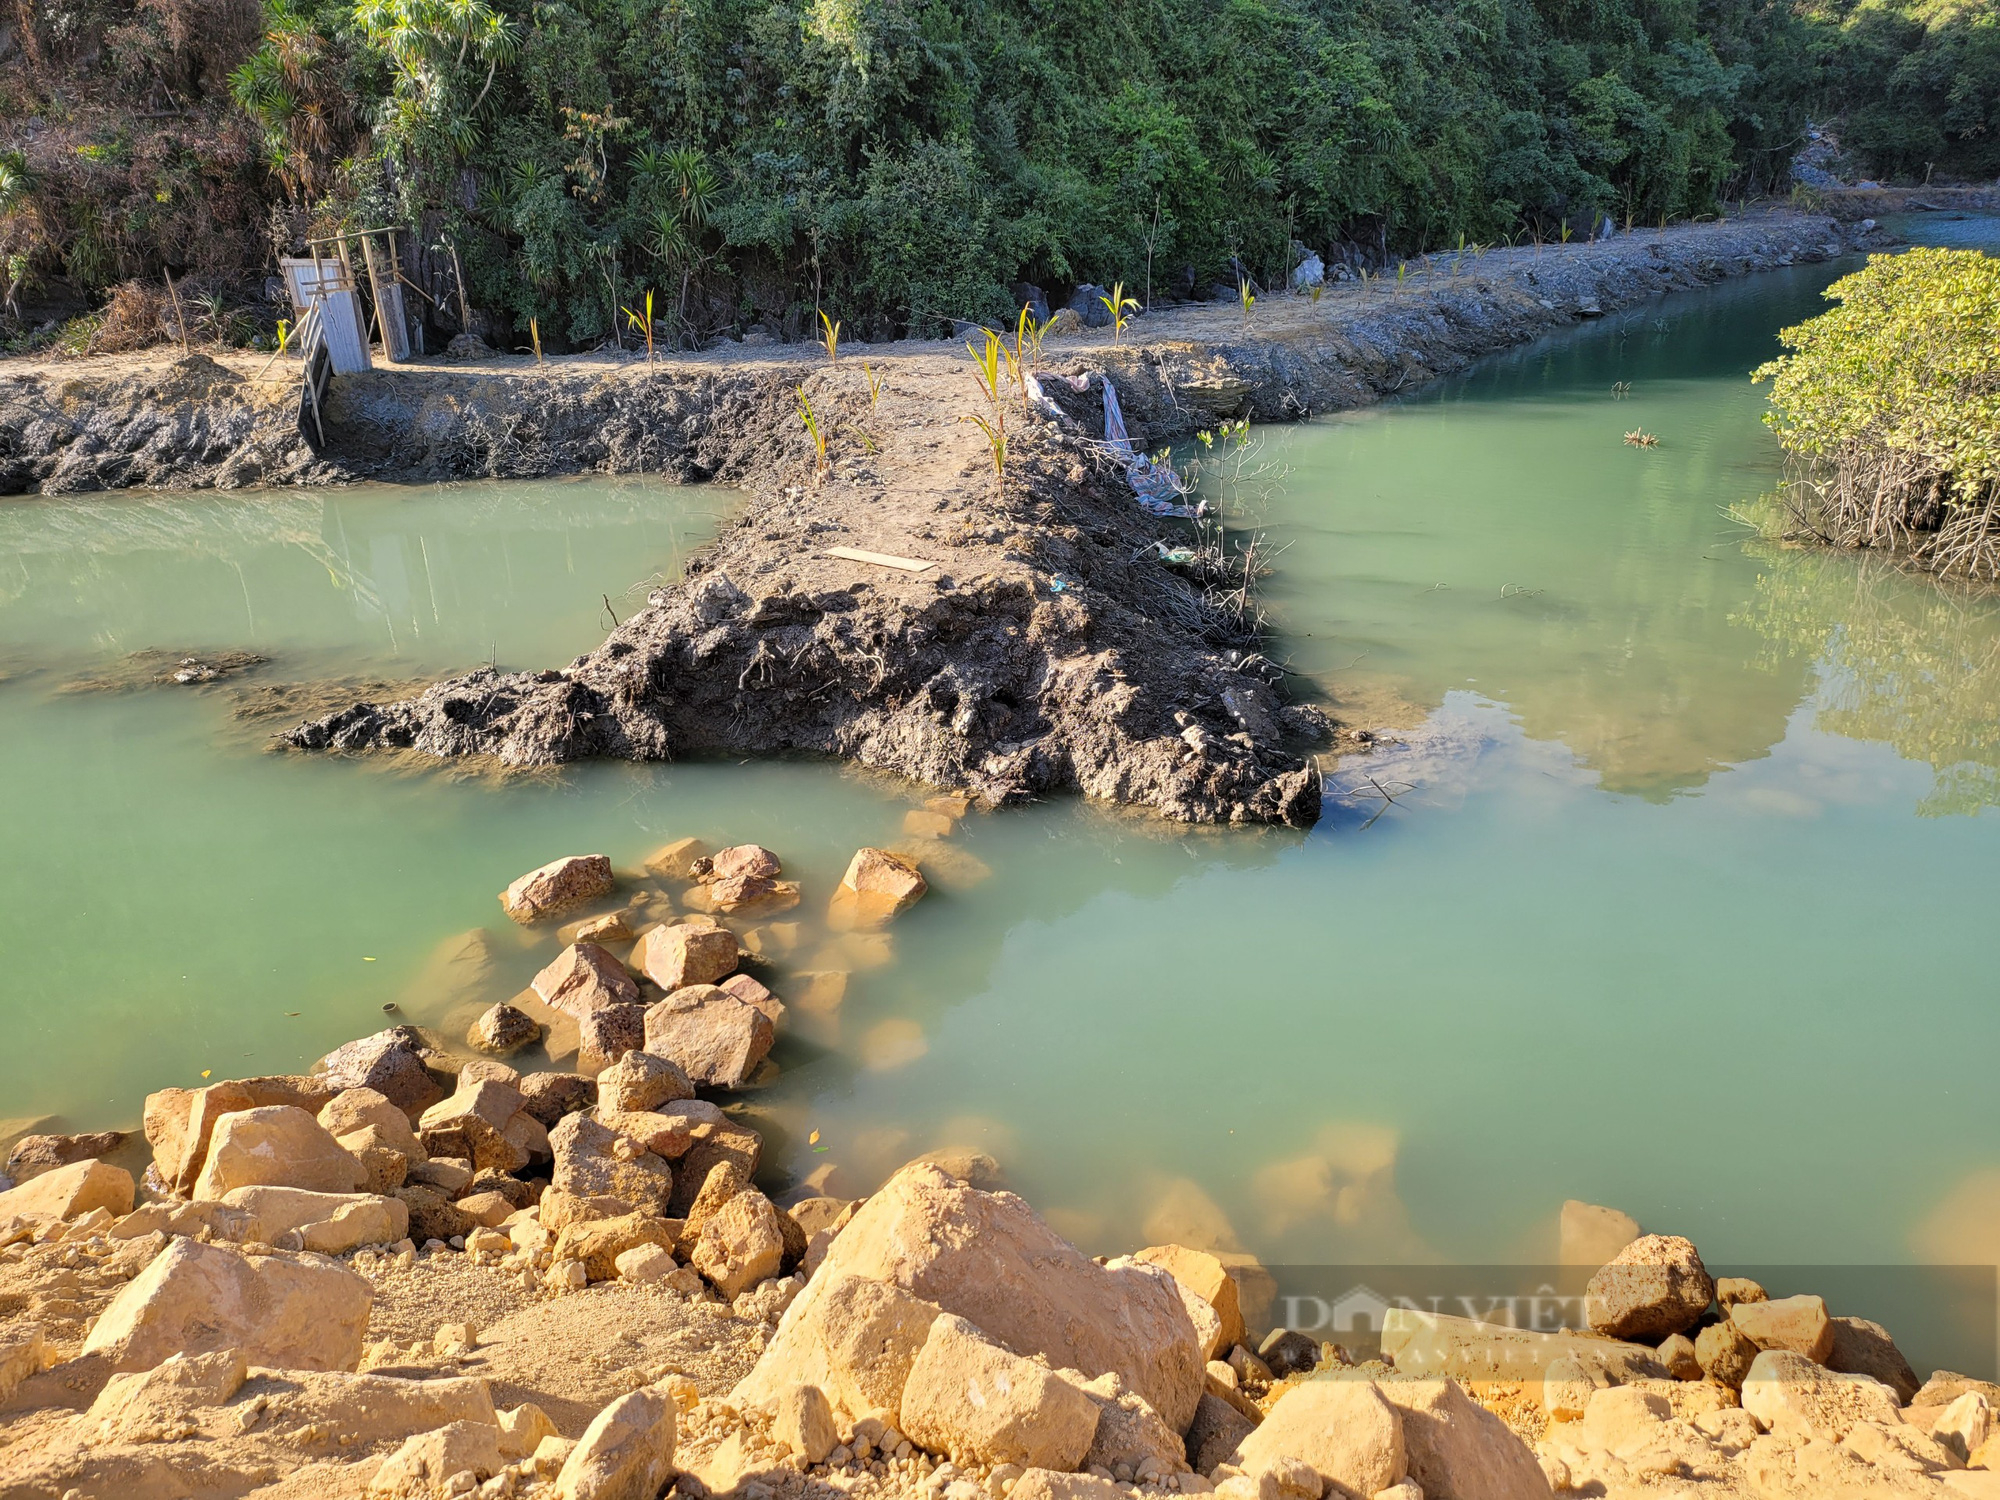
1047, 648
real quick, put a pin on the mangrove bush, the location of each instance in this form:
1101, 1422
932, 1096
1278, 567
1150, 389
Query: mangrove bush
1890, 406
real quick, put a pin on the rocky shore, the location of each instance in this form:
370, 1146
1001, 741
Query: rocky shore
1043, 634
420, 1271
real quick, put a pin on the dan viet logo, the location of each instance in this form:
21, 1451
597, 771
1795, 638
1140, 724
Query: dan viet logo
1362, 1311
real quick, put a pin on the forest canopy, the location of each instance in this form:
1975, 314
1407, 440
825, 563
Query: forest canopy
902, 163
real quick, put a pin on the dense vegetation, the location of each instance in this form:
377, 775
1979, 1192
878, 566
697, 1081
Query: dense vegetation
903, 162
1891, 402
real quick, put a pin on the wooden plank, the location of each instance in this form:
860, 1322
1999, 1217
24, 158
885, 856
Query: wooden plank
880, 559
388, 302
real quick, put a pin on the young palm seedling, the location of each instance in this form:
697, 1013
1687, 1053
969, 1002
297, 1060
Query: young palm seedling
632, 319
987, 363
829, 335
816, 430
874, 383
1120, 307
1244, 295
995, 433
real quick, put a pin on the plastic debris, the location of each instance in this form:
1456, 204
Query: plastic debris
1160, 490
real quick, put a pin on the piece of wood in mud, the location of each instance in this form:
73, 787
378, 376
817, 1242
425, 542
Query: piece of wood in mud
882, 559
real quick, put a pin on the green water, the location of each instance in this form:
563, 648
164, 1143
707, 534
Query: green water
1683, 905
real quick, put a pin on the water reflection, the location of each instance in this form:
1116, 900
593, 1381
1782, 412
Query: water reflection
433, 577
1900, 659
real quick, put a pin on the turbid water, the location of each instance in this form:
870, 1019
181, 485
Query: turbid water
1682, 902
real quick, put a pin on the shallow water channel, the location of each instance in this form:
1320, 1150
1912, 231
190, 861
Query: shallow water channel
1683, 902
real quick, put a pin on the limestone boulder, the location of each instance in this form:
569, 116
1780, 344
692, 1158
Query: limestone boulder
1624, 1420
1218, 1427
744, 860
556, 887
714, 1038
279, 1145
589, 1163
433, 1215
1799, 1324
69, 1192
987, 1258
717, 1142
601, 1243
483, 1069
878, 886
583, 978
1676, 1353
626, 1453
370, 1409
1792, 1396
24, 1352
400, 1063
662, 1133
522, 1429
472, 1125
643, 1265
1724, 1353
675, 861
1437, 1345
756, 995
977, 1403
1344, 1430
753, 894
487, 1209
448, 1174
1864, 1348
1130, 1434
180, 1122
1655, 1286
502, 1030
383, 1169
1730, 1290
547, 1097
605, 1037
740, 1244
1964, 1426
419, 1469
642, 1080
329, 1223
352, 1111
605, 928
857, 1341
284, 1312
1205, 1277
804, 1422
686, 953
1457, 1448
33, 1155
133, 1405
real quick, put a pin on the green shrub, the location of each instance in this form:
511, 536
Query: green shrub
1890, 404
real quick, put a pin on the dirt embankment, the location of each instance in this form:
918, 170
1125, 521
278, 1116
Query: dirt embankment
1048, 646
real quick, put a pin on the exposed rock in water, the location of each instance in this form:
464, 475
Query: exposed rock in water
1655, 1286
33, 1155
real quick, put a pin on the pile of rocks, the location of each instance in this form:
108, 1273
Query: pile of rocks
1687, 1377
936, 1340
